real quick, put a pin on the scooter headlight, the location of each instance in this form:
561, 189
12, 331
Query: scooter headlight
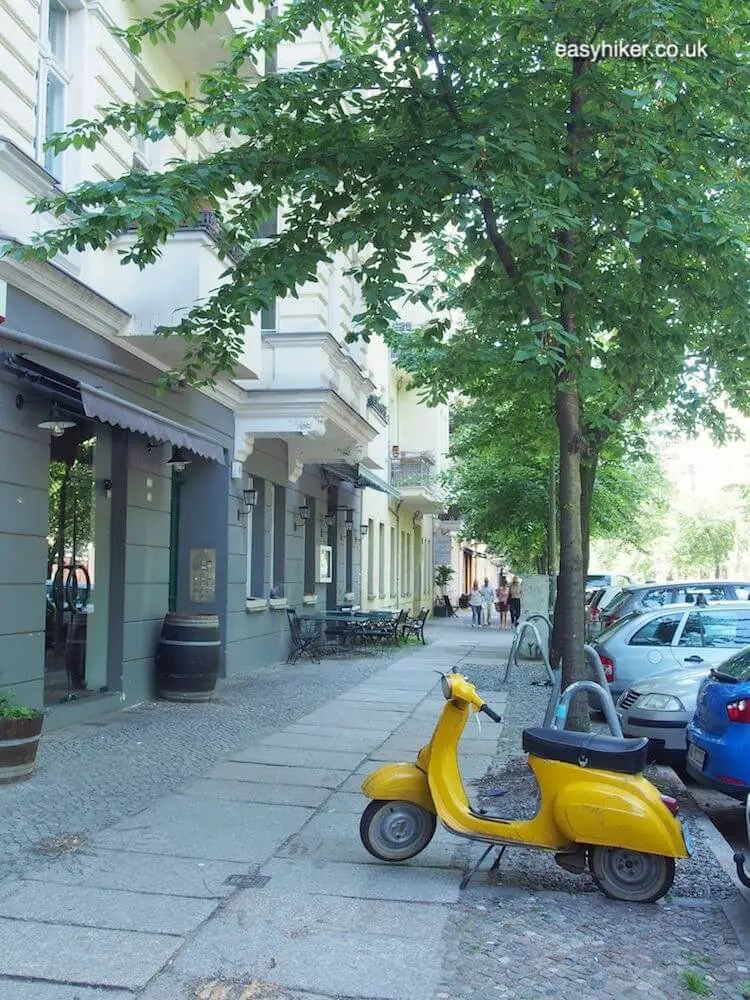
447, 690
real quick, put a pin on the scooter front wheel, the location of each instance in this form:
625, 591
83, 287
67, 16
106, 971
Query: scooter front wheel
395, 830
629, 875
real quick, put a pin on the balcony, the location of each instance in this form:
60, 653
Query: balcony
186, 273
312, 394
414, 477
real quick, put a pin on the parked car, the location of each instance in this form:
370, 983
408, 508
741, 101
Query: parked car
599, 600
660, 707
679, 636
718, 736
595, 581
648, 597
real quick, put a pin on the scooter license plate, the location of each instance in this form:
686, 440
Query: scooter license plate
696, 756
689, 846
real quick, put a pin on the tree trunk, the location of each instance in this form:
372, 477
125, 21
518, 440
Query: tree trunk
569, 611
588, 479
552, 535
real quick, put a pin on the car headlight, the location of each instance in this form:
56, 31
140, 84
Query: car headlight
659, 703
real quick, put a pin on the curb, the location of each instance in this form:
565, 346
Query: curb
737, 911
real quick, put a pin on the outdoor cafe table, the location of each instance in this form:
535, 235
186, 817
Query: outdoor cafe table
346, 622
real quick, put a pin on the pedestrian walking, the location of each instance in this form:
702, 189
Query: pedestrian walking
475, 601
514, 601
503, 596
488, 595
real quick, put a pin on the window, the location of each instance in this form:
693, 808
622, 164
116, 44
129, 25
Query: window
736, 666
692, 634
742, 591
278, 540
371, 558
381, 560
349, 556
268, 319
256, 542
658, 598
403, 564
310, 531
52, 80
393, 591
726, 628
659, 632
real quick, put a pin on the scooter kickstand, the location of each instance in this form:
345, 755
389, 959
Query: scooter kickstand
470, 874
496, 863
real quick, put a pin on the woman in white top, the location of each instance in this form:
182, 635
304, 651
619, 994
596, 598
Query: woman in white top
475, 600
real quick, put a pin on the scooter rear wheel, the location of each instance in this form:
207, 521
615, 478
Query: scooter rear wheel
629, 875
395, 830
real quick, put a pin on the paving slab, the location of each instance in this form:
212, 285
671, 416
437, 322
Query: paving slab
364, 705
323, 944
112, 908
339, 732
363, 881
170, 985
361, 742
345, 802
258, 791
361, 719
141, 873
296, 757
86, 955
18, 989
283, 774
334, 836
378, 697
187, 826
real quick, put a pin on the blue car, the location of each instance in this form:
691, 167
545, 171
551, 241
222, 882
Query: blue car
718, 738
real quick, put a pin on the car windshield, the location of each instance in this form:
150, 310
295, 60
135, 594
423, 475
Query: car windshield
737, 667
593, 582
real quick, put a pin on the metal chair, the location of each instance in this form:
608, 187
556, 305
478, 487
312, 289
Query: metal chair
415, 626
301, 644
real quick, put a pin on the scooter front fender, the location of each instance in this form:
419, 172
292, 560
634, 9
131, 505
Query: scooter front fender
625, 812
399, 782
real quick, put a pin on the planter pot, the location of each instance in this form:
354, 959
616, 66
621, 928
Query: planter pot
188, 657
309, 598
256, 604
439, 611
19, 742
277, 603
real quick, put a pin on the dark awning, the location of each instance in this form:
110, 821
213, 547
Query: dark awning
112, 410
361, 477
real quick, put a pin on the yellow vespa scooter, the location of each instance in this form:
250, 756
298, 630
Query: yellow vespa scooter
595, 807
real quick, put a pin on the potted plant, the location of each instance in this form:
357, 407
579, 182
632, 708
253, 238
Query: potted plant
443, 576
20, 729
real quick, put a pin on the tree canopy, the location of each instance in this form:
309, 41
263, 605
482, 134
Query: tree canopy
588, 213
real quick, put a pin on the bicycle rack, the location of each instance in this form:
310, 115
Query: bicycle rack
559, 704
513, 654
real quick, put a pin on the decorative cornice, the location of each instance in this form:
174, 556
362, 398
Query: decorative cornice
23, 168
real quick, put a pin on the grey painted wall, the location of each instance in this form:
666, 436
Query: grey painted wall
138, 516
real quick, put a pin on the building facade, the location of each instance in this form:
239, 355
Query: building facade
121, 502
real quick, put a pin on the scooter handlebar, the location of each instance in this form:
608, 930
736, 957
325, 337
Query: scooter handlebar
488, 711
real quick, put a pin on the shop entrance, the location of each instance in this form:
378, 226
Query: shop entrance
77, 563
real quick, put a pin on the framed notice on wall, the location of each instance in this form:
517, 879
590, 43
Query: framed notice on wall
325, 564
203, 576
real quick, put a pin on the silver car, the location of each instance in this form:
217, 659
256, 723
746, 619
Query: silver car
659, 707
679, 636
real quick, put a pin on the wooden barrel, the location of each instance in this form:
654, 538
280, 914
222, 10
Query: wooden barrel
188, 657
19, 741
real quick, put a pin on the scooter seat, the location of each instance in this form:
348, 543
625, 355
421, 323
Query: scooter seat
609, 753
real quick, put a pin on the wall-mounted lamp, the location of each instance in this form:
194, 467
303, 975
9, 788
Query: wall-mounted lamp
330, 519
349, 520
417, 518
363, 529
107, 488
249, 499
56, 423
178, 462
303, 516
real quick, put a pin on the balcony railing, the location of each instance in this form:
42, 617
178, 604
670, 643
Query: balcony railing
415, 472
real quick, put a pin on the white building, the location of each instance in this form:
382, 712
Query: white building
300, 429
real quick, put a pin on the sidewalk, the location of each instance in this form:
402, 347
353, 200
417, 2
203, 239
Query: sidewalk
250, 880
238, 874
